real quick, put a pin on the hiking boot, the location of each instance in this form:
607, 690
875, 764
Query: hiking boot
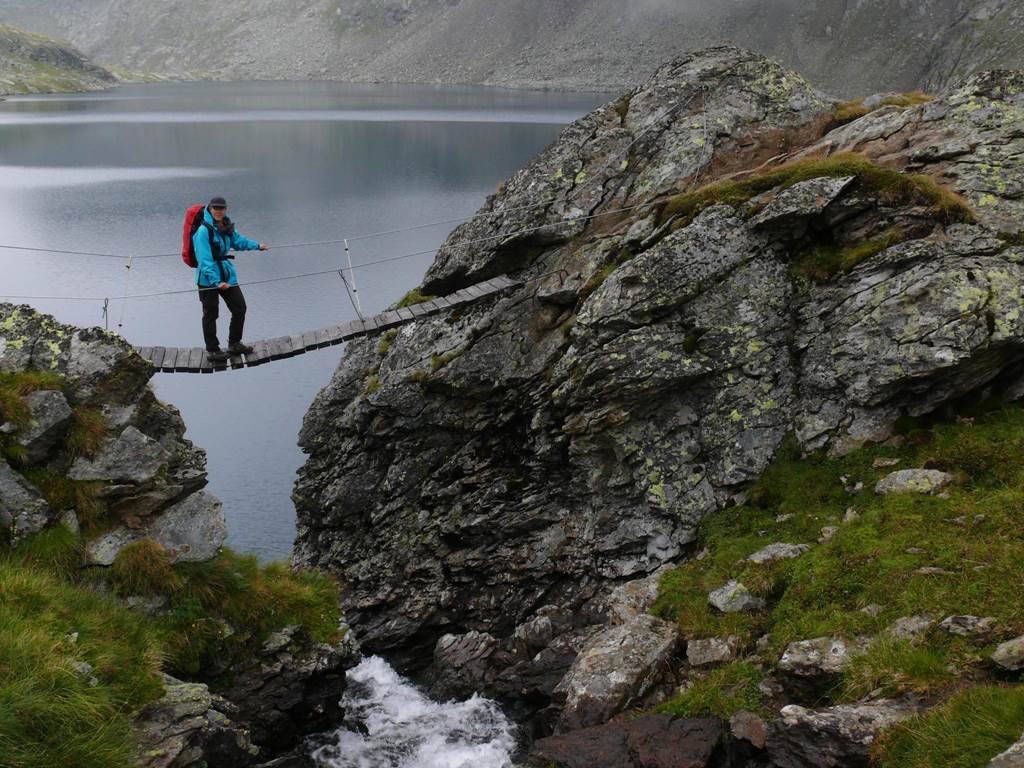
238, 348
216, 355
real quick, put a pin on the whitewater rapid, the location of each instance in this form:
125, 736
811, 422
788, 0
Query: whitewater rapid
391, 724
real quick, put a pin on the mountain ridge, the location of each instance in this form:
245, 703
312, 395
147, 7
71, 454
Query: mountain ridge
581, 45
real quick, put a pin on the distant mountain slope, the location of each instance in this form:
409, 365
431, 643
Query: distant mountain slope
32, 63
845, 47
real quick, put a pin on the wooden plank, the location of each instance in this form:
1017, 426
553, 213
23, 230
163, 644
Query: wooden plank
418, 310
356, 328
206, 365
158, 356
171, 361
405, 314
443, 302
279, 347
323, 337
146, 353
389, 320
195, 359
372, 326
334, 334
260, 354
309, 340
476, 291
297, 348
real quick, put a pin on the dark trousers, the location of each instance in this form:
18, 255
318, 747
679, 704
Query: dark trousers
211, 311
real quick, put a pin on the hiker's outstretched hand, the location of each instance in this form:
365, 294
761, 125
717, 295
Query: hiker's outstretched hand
264, 247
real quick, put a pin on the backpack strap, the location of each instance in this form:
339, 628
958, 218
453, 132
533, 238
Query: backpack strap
218, 257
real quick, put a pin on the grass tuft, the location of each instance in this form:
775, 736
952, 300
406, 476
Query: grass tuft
372, 385
825, 262
966, 732
223, 608
144, 568
61, 493
15, 386
415, 296
722, 693
387, 340
87, 433
50, 715
890, 186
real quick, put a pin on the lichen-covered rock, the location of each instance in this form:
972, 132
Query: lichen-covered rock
132, 457
544, 447
911, 627
185, 729
712, 650
1010, 655
733, 597
50, 419
146, 478
969, 626
650, 741
615, 669
914, 481
806, 200
291, 688
837, 737
810, 668
774, 552
193, 530
23, 510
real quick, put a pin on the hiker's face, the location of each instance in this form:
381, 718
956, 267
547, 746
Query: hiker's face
218, 213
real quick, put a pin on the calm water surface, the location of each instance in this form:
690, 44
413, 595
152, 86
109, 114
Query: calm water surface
114, 172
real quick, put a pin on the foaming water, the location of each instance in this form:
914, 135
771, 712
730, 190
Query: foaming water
399, 727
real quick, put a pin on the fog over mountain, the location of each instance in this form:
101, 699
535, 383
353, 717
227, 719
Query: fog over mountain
846, 46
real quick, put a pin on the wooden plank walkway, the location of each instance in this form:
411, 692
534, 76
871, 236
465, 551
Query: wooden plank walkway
194, 359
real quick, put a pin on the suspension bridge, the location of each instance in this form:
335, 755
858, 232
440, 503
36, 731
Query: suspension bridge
195, 360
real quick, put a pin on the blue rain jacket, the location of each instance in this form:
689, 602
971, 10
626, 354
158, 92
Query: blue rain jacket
210, 273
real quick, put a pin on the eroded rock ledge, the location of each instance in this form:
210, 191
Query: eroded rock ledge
513, 463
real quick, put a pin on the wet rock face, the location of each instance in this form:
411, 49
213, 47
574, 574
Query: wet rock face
538, 450
651, 741
147, 478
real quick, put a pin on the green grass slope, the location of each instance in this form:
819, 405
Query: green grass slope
896, 556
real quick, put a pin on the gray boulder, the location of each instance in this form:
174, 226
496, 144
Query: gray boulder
774, 552
51, 417
23, 510
733, 597
911, 627
713, 650
914, 481
791, 208
1010, 655
617, 668
185, 729
810, 668
193, 530
634, 598
130, 458
837, 737
969, 626
1011, 758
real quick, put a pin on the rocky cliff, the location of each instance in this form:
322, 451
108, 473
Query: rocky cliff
31, 63
847, 48
719, 259
113, 578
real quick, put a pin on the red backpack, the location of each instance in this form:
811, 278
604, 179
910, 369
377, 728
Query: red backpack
193, 221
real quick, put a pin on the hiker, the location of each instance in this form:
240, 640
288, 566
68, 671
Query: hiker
215, 237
